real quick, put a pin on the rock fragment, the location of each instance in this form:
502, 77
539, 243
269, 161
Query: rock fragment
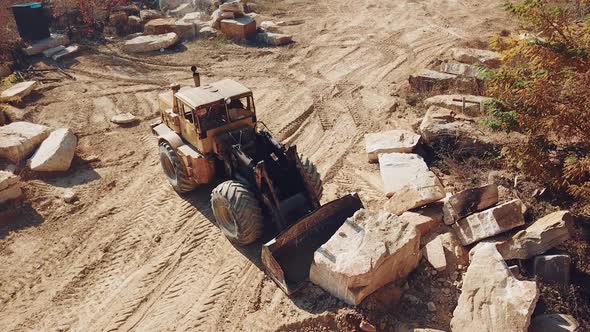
18, 91
542, 235
402, 141
489, 222
69, 196
10, 188
371, 249
274, 39
435, 254
468, 201
56, 152
460, 69
67, 52
491, 298
51, 51
19, 139
124, 118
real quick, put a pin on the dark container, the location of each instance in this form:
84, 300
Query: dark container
32, 21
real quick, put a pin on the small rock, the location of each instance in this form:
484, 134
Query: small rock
18, 91
124, 118
55, 153
435, 254
468, 201
553, 268
489, 222
431, 306
401, 141
554, 323
366, 326
69, 196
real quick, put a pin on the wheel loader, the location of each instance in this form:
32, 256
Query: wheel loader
210, 133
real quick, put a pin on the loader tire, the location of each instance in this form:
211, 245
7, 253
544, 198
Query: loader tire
174, 169
237, 212
312, 176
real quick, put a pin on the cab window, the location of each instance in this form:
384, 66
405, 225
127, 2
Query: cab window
212, 116
240, 108
186, 112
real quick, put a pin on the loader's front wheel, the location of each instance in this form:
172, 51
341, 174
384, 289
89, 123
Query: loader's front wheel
174, 170
237, 212
312, 176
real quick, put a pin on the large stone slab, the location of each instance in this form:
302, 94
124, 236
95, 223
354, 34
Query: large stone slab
408, 182
56, 152
468, 201
40, 46
239, 28
427, 80
492, 299
51, 51
150, 43
159, 26
19, 139
67, 52
10, 187
397, 140
540, 236
472, 55
371, 249
18, 91
460, 69
474, 105
554, 323
489, 222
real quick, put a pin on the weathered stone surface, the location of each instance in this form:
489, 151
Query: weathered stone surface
184, 30
18, 91
274, 39
56, 152
270, 26
40, 46
460, 69
234, 6
540, 236
491, 298
468, 201
150, 43
435, 254
371, 249
472, 55
67, 52
19, 139
553, 268
51, 51
455, 252
429, 80
489, 222
124, 118
150, 14
554, 323
9, 186
408, 182
422, 219
239, 28
474, 105
69, 196
402, 141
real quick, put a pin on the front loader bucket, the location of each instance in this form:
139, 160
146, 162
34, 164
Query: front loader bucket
287, 258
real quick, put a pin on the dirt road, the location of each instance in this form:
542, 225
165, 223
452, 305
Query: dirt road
134, 255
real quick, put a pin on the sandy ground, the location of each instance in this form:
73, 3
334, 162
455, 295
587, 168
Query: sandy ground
134, 255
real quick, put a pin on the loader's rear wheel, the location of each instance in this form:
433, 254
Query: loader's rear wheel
174, 169
312, 176
237, 212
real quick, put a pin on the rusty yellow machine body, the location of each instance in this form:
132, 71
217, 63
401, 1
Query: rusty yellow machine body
210, 133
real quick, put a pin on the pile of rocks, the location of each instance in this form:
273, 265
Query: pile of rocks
54, 47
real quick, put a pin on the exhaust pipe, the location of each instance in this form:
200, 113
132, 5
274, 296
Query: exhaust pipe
174, 87
196, 76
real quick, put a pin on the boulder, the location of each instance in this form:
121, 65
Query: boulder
18, 91
19, 139
67, 52
150, 43
554, 323
402, 141
472, 55
150, 14
56, 152
408, 182
270, 26
51, 51
553, 268
435, 254
460, 69
234, 6
124, 118
492, 299
238, 28
540, 236
40, 46
489, 222
10, 188
371, 249
474, 105
427, 80
468, 201
274, 39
